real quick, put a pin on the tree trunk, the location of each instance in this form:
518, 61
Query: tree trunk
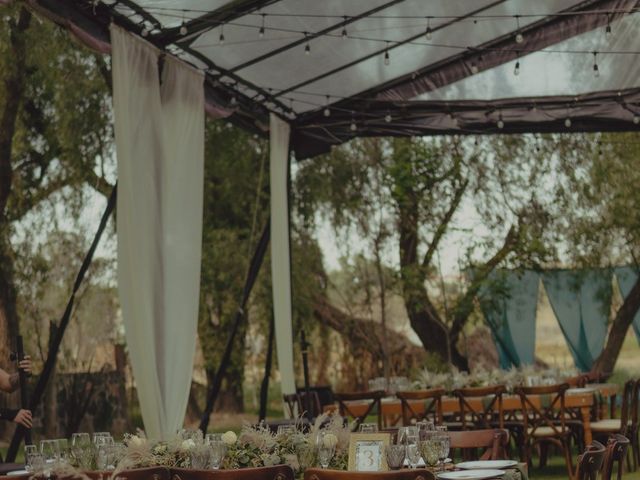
605, 363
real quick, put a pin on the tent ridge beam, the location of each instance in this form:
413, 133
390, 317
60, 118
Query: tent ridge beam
311, 36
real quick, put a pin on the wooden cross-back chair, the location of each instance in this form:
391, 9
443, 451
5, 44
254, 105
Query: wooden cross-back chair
544, 421
491, 413
590, 462
431, 408
622, 425
491, 442
372, 400
616, 453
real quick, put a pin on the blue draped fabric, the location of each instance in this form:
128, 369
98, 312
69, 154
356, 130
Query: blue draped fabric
581, 301
627, 277
508, 301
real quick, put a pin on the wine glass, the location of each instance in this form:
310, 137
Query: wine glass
326, 448
63, 450
444, 446
29, 452
50, 454
430, 451
395, 455
217, 451
413, 451
81, 450
200, 456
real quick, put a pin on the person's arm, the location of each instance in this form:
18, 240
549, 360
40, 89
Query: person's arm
10, 382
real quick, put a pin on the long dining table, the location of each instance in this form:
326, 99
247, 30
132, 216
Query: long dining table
577, 399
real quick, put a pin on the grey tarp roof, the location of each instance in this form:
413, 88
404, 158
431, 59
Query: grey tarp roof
394, 67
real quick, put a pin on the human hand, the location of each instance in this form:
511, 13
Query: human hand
25, 364
24, 418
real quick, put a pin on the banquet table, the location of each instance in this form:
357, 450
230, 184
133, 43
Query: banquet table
580, 399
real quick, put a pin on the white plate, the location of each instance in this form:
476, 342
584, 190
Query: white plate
17, 472
470, 474
487, 464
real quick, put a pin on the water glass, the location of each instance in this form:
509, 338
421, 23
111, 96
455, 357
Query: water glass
430, 451
395, 455
368, 428
63, 450
444, 444
413, 451
325, 454
49, 450
217, 451
200, 456
29, 452
81, 450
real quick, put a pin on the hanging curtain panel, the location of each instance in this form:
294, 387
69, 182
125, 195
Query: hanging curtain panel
280, 256
509, 301
159, 132
627, 277
581, 301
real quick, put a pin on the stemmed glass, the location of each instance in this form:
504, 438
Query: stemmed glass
217, 449
104, 449
81, 450
395, 455
430, 449
50, 454
326, 449
444, 443
413, 452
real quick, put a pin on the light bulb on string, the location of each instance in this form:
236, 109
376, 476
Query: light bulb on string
428, 34
516, 70
453, 120
474, 68
387, 118
307, 47
636, 119
567, 122
519, 36
261, 31
327, 110
607, 32
221, 37
596, 69
344, 33
500, 123
353, 127
387, 59
183, 26
145, 31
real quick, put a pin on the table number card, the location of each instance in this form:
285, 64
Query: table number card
366, 452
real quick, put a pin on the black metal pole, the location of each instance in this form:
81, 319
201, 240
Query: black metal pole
24, 393
305, 369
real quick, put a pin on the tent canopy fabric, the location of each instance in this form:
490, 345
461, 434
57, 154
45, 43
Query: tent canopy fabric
335, 70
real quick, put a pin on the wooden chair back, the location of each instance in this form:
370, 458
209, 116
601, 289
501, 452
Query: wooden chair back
490, 412
373, 406
492, 441
276, 472
590, 462
616, 453
578, 381
313, 405
404, 474
292, 402
629, 404
550, 412
432, 406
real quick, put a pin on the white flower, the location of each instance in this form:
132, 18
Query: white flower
135, 441
329, 440
188, 444
229, 437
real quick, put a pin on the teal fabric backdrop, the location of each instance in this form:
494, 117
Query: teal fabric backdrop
581, 301
627, 277
509, 301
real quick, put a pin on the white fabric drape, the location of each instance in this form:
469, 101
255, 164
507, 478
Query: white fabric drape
159, 132
280, 259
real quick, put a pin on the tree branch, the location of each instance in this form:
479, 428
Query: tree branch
442, 227
464, 306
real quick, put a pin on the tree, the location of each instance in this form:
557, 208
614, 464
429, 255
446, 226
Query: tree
598, 195
425, 184
55, 133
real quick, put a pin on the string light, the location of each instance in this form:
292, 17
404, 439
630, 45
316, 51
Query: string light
387, 60
516, 70
183, 27
519, 37
474, 67
221, 37
387, 118
596, 70
453, 119
636, 119
567, 122
353, 126
428, 34
500, 123
327, 110
145, 31
607, 31
344, 33
261, 31
307, 47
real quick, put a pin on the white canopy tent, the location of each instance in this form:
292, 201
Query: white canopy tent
314, 74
